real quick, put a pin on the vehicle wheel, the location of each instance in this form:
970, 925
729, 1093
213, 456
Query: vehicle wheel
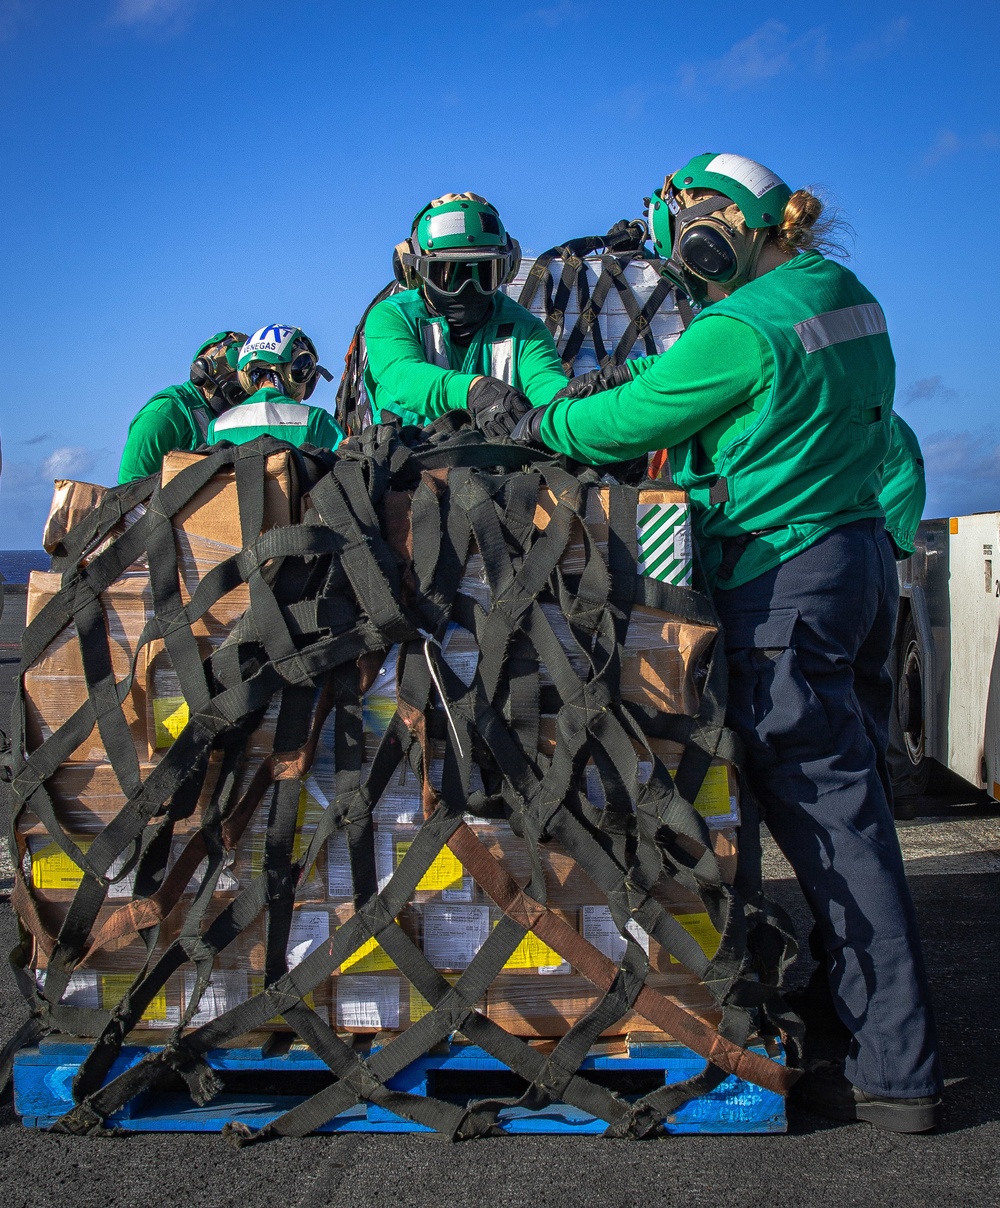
908, 760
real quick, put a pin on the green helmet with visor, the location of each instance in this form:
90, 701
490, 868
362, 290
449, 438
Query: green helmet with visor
456, 241
692, 237
283, 357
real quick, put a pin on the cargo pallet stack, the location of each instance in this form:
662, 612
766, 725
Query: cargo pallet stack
398, 780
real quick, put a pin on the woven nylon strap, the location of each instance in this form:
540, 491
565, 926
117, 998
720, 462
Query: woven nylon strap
377, 563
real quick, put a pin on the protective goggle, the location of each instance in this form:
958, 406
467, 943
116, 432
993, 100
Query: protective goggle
302, 368
452, 276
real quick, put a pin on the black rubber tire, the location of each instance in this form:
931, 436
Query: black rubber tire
908, 763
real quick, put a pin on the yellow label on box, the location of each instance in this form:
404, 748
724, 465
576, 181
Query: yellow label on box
532, 953
51, 868
369, 958
419, 1006
446, 872
713, 800
257, 986
700, 928
170, 716
114, 986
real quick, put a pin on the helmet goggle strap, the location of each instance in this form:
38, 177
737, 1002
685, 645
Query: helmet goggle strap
452, 276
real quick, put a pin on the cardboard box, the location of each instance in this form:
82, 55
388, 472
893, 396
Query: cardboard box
55, 685
213, 513
71, 502
379, 1001
549, 1007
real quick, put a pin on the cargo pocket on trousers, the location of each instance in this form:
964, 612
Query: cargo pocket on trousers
772, 705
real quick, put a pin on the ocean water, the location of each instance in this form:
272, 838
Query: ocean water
16, 563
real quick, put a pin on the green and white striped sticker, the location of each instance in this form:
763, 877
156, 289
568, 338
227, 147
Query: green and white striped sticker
664, 535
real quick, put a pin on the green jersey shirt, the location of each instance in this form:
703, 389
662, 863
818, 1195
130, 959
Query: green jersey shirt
268, 412
175, 418
416, 371
904, 490
775, 407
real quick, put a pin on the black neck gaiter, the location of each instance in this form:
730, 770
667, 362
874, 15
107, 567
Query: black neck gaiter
466, 312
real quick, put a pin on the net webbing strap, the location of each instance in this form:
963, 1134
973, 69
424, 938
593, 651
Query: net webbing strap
287, 644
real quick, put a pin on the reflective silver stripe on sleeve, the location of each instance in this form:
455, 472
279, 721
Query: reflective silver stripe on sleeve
839, 326
249, 415
502, 360
434, 349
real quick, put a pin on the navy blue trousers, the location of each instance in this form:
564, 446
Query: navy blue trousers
809, 695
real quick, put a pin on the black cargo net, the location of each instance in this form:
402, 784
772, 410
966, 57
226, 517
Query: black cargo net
560, 277
376, 568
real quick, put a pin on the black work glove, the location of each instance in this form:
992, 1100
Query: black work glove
527, 431
496, 407
594, 382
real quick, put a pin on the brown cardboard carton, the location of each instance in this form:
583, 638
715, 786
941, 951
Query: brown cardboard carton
214, 514
71, 502
55, 685
87, 796
550, 1006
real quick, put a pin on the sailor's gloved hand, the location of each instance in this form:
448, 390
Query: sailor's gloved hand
495, 407
528, 429
597, 380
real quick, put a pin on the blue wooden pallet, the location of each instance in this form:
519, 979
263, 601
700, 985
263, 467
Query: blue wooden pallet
43, 1079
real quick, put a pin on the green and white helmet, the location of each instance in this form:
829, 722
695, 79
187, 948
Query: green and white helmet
457, 240
694, 242
283, 357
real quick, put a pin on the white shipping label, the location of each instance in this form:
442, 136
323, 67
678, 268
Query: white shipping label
226, 989
367, 1002
454, 934
81, 990
338, 866
227, 882
747, 172
125, 886
338, 863
600, 929
462, 893
309, 929
384, 859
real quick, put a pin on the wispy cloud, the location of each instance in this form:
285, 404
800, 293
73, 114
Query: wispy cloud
963, 472
947, 143
70, 461
925, 389
555, 14
881, 44
148, 12
769, 51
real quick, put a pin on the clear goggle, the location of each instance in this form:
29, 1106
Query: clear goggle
452, 276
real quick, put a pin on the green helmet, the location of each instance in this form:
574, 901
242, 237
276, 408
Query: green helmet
213, 370
694, 242
283, 357
457, 240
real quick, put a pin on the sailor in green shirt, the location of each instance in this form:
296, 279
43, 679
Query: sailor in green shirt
178, 417
279, 368
904, 488
775, 405
452, 339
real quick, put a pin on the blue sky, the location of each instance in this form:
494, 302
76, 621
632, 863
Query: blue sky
179, 166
